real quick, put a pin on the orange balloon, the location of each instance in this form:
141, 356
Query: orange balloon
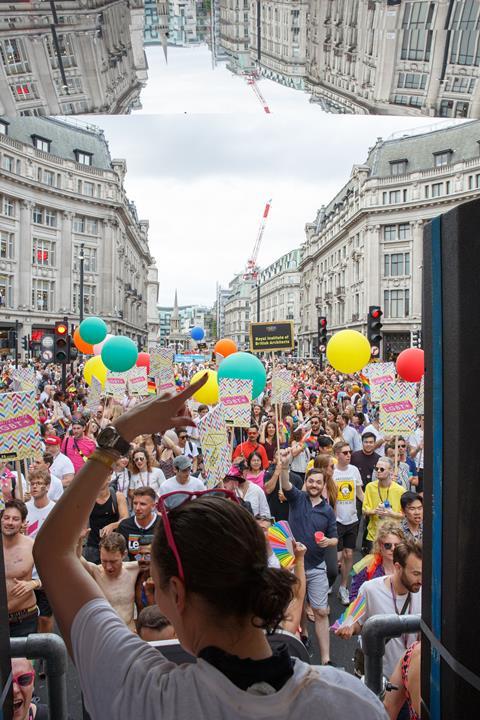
80, 344
226, 347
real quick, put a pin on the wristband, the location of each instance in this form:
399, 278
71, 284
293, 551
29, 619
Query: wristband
103, 457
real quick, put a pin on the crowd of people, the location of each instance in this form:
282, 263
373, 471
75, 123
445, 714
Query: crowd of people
352, 497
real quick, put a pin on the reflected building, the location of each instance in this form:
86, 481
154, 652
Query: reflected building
156, 22
64, 58
189, 22
235, 35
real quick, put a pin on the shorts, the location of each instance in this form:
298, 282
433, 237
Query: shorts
43, 604
317, 586
26, 625
347, 536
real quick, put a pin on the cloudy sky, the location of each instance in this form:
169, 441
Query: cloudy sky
203, 159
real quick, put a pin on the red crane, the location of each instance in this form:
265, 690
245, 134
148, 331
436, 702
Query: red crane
252, 269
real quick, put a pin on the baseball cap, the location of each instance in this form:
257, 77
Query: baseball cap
182, 462
52, 440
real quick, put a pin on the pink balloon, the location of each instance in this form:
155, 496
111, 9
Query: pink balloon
97, 349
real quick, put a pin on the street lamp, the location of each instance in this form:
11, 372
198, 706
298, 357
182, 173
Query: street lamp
81, 257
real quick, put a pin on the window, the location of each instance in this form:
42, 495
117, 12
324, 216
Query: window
8, 163
442, 158
41, 143
43, 294
44, 216
12, 52
394, 196
3, 127
446, 108
398, 167
6, 291
6, 244
412, 81
396, 264
66, 51
83, 157
43, 252
86, 225
437, 189
88, 189
24, 91
461, 109
394, 232
89, 259
460, 85
396, 303
89, 298
49, 178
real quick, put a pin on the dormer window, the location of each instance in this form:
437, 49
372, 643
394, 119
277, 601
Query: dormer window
41, 143
398, 167
3, 127
83, 157
444, 157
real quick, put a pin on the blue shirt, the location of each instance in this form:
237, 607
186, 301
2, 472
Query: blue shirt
306, 519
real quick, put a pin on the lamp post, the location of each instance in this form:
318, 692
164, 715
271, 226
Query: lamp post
81, 257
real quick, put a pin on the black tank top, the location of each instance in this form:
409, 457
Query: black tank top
100, 516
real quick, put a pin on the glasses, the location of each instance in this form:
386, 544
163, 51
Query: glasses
390, 546
380, 469
40, 484
139, 457
402, 447
346, 452
173, 500
140, 556
25, 679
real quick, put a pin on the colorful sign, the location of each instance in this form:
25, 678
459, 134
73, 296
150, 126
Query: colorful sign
421, 397
216, 450
236, 397
160, 358
165, 380
276, 336
116, 384
94, 395
189, 358
23, 379
137, 381
380, 374
281, 385
19, 426
398, 409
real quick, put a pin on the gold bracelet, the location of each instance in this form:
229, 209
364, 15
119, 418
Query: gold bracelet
104, 458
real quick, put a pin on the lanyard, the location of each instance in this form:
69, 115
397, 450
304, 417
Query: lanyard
378, 490
404, 610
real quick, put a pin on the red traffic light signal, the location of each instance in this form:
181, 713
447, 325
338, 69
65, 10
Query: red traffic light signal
377, 313
374, 325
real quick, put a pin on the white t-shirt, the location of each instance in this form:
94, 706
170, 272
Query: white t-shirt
37, 516
193, 484
190, 449
414, 441
352, 437
380, 602
257, 499
123, 676
55, 491
152, 479
378, 435
62, 465
347, 482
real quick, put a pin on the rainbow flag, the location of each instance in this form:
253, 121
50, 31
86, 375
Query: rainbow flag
152, 388
365, 382
352, 614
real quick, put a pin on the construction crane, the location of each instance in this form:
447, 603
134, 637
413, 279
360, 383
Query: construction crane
251, 271
251, 79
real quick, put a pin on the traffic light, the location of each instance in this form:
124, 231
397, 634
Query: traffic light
322, 333
417, 338
12, 339
60, 350
25, 343
72, 350
374, 325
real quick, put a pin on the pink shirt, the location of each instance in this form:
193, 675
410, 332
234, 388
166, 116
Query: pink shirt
256, 479
85, 446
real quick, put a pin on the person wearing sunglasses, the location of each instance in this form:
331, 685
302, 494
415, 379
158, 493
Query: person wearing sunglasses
212, 580
382, 498
380, 562
23, 680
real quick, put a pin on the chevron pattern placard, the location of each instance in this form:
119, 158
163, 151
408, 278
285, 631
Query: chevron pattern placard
137, 382
281, 385
379, 375
159, 359
398, 413
116, 384
421, 397
19, 426
236, 397
94, 394
23, 379
215, 446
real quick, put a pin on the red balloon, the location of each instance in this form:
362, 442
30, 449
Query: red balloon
143, 360
411, 364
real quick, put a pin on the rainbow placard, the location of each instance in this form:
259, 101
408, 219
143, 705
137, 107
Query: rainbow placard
19, 426
137, 382
379, 375
354, 612
280, 538
236, 397
23, 379
116, 384
281, 385
212, 430
398, 409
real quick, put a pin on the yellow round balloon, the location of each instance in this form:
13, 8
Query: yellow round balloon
208, 393
348, 351
94, 366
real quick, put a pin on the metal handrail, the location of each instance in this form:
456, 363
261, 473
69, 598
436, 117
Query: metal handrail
375, 632
52, 648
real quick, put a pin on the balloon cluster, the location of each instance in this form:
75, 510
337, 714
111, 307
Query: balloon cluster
117, 353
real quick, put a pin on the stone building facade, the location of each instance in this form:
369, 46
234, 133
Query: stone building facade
279, 291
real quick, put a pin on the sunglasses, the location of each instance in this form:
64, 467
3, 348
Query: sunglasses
25, 679
171, 501
402, 446
389, 546
380, 469
139, 556
346, 452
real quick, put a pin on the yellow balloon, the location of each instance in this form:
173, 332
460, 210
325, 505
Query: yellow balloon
348, 351
94, 366
208, 394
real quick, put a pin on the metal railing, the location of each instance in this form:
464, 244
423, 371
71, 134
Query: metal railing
52, 649
376, 631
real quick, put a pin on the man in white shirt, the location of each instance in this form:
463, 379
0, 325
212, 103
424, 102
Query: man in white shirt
182, 480
188, 448
61, 466
349, 486
416, 451
349, 434
399, 593
44, 462
39, 507
374, 428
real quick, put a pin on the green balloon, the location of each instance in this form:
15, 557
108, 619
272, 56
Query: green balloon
93, 330
119, 354
243, 366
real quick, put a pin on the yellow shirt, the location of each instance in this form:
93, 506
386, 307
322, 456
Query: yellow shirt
375, 495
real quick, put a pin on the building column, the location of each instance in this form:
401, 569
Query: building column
373, 293
440, 39
107, 267
65, 264
24, 296
416, 269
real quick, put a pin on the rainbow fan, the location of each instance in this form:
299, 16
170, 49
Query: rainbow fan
355, 611
281, 541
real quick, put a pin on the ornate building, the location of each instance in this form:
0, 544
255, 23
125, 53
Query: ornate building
366, 246
62, 197
279, 291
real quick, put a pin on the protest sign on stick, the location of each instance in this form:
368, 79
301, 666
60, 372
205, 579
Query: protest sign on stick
421, 397
94, 394
236, 397
116, 384
23, 379
398, 409
160, 358
379, 374
281, 385
213, 433
19, 426
137, 381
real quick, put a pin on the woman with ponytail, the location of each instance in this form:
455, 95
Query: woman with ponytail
212, 581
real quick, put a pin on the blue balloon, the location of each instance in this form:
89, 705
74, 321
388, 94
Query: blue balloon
197, 333
243, 366
119, 353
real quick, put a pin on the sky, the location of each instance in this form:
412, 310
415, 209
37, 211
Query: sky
203, 159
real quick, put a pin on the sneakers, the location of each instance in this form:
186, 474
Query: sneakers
344, 595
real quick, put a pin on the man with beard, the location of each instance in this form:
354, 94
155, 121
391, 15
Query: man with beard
313, 524
144, 587
400, 592
17, 552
